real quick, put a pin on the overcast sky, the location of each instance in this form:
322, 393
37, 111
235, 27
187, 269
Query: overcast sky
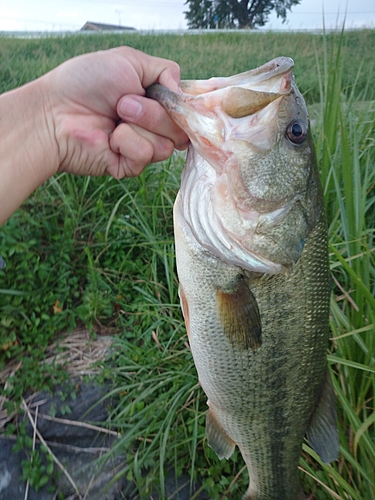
52, 15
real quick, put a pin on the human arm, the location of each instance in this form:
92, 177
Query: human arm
77, 118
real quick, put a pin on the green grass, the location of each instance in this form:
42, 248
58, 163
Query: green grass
203, 56
104, 250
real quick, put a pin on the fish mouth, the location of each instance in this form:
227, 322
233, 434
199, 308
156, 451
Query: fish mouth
238, 107
239, 95
262, 76
248, 92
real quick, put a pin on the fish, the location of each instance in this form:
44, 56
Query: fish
252, 263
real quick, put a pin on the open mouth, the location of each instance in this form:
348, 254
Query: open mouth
211, 111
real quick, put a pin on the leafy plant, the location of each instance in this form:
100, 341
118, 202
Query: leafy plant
36, 471
101, 253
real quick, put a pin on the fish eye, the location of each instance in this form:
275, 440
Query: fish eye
296, 131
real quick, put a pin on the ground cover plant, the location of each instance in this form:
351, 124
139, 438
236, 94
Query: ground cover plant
101, 253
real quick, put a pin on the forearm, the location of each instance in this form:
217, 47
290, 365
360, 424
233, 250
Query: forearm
28, 153
78, 119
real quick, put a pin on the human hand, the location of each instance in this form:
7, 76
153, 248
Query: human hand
101, 120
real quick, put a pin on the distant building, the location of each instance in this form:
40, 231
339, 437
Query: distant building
89, 26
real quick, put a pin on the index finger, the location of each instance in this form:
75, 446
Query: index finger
152, 69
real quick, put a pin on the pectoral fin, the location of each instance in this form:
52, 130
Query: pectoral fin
217, 438
240, 317
322, 432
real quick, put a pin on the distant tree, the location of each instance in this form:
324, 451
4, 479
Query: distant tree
234, 13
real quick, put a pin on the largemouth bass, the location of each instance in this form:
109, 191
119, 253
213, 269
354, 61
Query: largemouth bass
251, 247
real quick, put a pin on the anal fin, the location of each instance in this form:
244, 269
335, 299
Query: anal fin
322, 432
217, 438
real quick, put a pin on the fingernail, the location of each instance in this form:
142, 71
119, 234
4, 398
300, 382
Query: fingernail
130, 107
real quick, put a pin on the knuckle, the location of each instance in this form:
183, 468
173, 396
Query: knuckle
175, 67
168, 147
143, 155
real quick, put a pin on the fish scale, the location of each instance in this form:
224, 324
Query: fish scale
265, 401
252, 261
225, 362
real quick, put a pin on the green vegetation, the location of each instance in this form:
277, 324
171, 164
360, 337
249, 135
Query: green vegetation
203, 56
101, 253
228, 15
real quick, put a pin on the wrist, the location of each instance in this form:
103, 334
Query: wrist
28, 149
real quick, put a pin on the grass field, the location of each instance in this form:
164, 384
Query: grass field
104, 250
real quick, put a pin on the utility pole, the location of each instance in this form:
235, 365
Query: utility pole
119, 16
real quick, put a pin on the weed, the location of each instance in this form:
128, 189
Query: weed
102, 253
